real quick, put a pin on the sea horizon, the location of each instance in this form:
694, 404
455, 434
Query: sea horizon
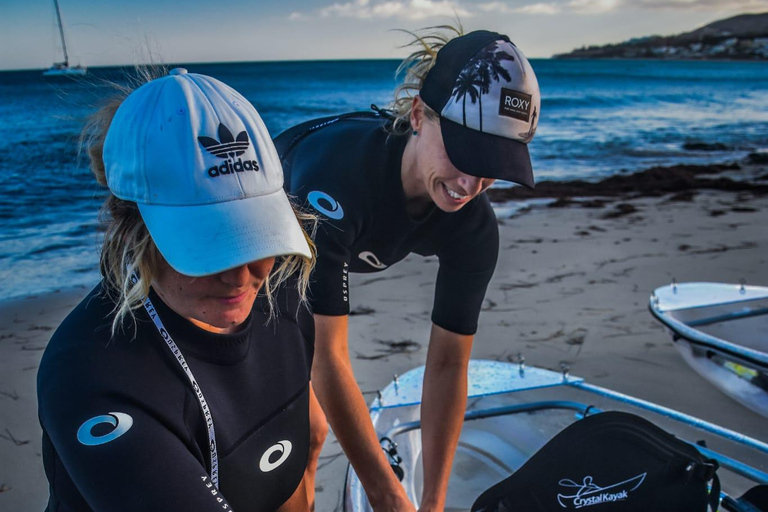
172, 65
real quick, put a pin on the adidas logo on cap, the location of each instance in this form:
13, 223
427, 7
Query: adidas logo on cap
228, 147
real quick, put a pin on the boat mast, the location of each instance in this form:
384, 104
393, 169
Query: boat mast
61, 31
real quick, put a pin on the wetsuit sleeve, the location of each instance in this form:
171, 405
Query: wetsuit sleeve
117, 451
325, 191
467, 261
329, 286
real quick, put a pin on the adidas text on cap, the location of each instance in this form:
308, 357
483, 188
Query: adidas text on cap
197, 159
488, 99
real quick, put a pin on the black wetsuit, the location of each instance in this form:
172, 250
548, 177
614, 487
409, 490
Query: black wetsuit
347, 168
135, 393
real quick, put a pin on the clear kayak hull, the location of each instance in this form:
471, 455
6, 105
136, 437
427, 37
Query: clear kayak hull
520, 410
721, 330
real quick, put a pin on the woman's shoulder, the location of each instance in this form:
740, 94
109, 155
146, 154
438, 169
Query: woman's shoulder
84, 348
89, 323
337, 130
332, 149
336, 167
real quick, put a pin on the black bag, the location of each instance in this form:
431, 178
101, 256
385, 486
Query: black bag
754, 500
613, 461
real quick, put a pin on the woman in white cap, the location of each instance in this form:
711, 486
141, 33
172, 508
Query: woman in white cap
411, 180
171, 387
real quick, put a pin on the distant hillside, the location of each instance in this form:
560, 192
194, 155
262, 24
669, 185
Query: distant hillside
743, 37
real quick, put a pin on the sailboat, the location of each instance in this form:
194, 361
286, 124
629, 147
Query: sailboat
63, 68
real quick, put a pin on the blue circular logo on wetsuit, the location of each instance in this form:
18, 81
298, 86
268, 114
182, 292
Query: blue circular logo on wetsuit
325, 204
121, 421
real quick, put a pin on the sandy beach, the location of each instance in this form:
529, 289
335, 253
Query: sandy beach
571, 286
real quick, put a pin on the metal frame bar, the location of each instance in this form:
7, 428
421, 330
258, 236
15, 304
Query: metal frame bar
733, 465
678, 416
736, 315
728, 302
748, 356
498, 411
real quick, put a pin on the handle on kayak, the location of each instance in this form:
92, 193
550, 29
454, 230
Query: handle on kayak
390, 449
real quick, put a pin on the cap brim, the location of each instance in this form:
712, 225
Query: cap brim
486, 155
207, 239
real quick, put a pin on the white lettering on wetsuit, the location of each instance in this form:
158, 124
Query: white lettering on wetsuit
215, 493
344, 282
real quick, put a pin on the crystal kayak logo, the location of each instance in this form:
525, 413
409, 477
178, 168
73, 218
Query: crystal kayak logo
282, 447
120, 421
228, 147
325, 204
372, 260
588, 493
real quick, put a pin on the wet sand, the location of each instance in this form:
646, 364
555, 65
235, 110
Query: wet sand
575, 272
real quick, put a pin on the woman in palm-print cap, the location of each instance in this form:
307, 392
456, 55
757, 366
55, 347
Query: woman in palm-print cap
412, 180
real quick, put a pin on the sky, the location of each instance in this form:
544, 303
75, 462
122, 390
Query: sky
102, 33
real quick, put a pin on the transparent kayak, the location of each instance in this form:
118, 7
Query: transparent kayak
512, 412
721, 330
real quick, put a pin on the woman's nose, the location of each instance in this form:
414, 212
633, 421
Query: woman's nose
236, 277
471, 184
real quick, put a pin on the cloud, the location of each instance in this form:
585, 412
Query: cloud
705, 5
411, 10
540, 8
593, 6
505, 8
414, 10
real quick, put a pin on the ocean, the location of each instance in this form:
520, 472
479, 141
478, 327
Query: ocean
597, 118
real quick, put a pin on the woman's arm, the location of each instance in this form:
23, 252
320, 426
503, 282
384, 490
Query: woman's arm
467, 260
123, 460
347, 412
298, 502
443, 403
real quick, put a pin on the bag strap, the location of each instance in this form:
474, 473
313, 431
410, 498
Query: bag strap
714, 494
706, 471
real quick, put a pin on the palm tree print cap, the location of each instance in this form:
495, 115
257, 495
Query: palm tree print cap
488, 99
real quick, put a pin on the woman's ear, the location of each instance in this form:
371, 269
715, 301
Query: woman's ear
417, 113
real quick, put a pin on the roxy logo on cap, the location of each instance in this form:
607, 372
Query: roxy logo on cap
515, 104
228, 147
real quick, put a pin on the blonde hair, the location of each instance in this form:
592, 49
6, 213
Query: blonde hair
128, 249
414, 69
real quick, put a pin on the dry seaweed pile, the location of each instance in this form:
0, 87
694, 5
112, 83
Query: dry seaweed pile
653, 182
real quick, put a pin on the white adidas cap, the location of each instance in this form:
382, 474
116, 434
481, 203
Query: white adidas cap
197, 159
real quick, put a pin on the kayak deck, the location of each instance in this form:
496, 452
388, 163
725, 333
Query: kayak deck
517, 417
